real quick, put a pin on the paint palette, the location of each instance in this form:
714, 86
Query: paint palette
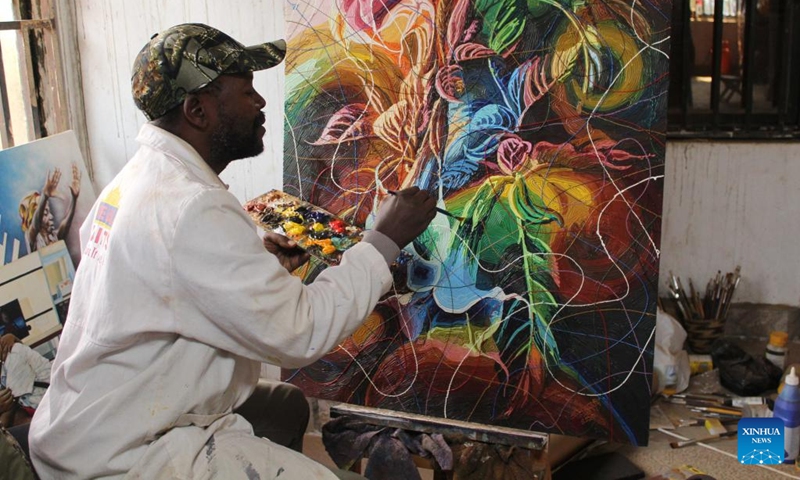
317, 231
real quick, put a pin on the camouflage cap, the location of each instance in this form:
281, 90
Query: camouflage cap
186, 58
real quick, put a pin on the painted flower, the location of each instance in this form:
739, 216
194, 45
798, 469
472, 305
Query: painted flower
363, 14
513, 154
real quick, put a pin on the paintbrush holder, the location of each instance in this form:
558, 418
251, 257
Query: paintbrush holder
702, 332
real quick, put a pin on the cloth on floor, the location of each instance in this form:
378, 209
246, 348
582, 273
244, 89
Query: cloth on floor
479, 461
388, 450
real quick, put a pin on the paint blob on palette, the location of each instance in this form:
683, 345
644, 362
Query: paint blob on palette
319, 232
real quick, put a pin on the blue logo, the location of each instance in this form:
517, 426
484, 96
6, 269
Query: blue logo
760, 441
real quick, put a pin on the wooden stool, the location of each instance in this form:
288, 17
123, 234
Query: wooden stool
529, 449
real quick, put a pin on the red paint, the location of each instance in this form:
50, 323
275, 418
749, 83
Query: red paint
337, 225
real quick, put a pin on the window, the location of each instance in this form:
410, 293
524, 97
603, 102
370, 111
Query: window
32, 91
734, 69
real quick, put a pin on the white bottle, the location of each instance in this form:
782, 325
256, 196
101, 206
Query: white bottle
776, 348
787, 408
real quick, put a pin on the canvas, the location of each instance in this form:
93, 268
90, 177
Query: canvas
26, 301
542, 124
54, 166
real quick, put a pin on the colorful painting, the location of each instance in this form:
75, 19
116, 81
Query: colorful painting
542, 124
45, 193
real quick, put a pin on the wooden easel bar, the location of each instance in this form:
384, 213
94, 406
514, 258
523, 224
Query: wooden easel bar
454, 430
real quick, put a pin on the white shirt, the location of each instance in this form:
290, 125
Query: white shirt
174, 306
23, 367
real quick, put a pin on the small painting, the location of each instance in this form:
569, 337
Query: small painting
28, 310
45, 193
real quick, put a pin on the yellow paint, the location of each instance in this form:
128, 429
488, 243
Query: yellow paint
325, 244
293, 229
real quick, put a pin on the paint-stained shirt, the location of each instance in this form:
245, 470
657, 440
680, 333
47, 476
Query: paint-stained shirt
175, 305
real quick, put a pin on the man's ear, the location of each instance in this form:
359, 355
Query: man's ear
196, 110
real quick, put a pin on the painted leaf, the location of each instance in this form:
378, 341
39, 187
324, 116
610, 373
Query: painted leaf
437, 128
352, 122
563, 62
458, 20
503, 22
477, 142
472, 51
541, 303
604, 153
390, 125
528, 206
536, 84
483, 201
492, 118
450, 83
458, 167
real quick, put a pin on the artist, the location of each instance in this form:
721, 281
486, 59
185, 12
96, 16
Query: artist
177, 302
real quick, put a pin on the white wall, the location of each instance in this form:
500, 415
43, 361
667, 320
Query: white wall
728, 204
724, 203
111, 33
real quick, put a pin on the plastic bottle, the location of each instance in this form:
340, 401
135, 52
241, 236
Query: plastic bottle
776, 348
787, 408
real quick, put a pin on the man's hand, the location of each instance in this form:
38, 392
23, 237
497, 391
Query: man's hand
6, 400
404, 215
287, 251
51, 183
75, 187
7, 342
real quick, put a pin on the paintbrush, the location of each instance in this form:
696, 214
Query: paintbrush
701, 421
440, 210
722, 411
694, 402
709, 438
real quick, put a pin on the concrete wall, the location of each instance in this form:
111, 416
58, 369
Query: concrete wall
725, 203
728, 204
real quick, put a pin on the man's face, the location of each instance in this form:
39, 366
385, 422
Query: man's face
239, 128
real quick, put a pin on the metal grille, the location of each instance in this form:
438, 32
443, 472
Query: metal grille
734, 69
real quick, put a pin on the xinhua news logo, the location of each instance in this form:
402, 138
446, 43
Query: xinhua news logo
760, 441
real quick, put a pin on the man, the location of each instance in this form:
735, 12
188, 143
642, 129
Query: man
177, 302
36, 216
24, 375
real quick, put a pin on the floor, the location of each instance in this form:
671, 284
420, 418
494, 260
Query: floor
716, 459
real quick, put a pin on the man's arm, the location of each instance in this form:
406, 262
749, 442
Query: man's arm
238, 297
74, 190
7, 342
49, 189
7, 408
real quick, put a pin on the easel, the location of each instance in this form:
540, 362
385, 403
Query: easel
531, 446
